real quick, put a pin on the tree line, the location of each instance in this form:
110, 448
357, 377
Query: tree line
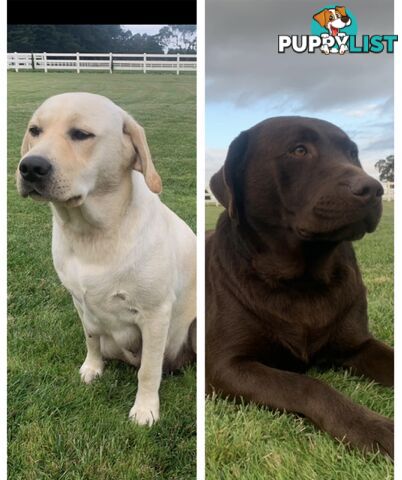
99, 39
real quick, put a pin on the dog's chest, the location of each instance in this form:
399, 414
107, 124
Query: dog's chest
304, 320
106, 297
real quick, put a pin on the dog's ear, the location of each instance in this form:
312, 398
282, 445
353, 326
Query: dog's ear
25, 147
226, 184
143, 161
321, 18
342, 11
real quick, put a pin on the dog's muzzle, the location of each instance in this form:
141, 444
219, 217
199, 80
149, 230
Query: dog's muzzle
345, 212
366, 189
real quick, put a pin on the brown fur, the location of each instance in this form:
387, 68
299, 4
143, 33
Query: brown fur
322, 17
283, 288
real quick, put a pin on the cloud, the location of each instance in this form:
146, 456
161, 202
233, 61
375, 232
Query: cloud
247, 80
243, 65
364, 110
386, 142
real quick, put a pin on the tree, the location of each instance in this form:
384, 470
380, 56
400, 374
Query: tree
178, 38
386, 168
79, 38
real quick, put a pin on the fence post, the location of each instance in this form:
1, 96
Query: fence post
111, 62
78, 62
16, 61
33, 61
178, 64
145, 63
45, 61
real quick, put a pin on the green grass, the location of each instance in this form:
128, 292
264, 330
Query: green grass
59, 428
251, 443
211, 216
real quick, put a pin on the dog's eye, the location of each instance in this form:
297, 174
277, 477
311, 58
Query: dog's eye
80, 135
299, 151
35, 131
331, 17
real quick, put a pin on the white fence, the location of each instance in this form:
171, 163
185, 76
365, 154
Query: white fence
143, 62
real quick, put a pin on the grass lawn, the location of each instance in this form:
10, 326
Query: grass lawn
59, 428
251, 443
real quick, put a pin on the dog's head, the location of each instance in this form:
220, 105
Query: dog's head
302, 175
80, 143
333, 19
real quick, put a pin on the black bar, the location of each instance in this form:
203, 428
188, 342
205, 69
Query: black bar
86, 12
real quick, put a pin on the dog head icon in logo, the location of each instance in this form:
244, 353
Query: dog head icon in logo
333, 19
337, 23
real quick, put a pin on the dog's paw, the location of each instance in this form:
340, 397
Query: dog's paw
380, 435
325, 49
145, 412
90, 370
372, 432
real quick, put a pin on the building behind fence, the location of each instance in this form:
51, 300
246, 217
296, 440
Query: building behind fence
388, 191
210, 198
143, 62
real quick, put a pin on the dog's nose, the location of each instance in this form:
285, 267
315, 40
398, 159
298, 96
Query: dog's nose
366, 188
345, 19
35, 168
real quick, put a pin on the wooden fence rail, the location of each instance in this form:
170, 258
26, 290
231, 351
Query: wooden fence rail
78, 62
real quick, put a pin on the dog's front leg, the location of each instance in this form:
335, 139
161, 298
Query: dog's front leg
145, 410
93, 364
375, 360
294, 392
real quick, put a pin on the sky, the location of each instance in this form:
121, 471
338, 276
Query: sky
149, 29
248, 81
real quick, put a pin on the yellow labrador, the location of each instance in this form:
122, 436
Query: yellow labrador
127, 260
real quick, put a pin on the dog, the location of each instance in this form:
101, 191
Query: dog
333, 19
127, 260
283, 288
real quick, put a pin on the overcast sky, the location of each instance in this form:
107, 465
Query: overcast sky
149, 29
247, 80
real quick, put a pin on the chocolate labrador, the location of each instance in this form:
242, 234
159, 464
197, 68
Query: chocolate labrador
283, 288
